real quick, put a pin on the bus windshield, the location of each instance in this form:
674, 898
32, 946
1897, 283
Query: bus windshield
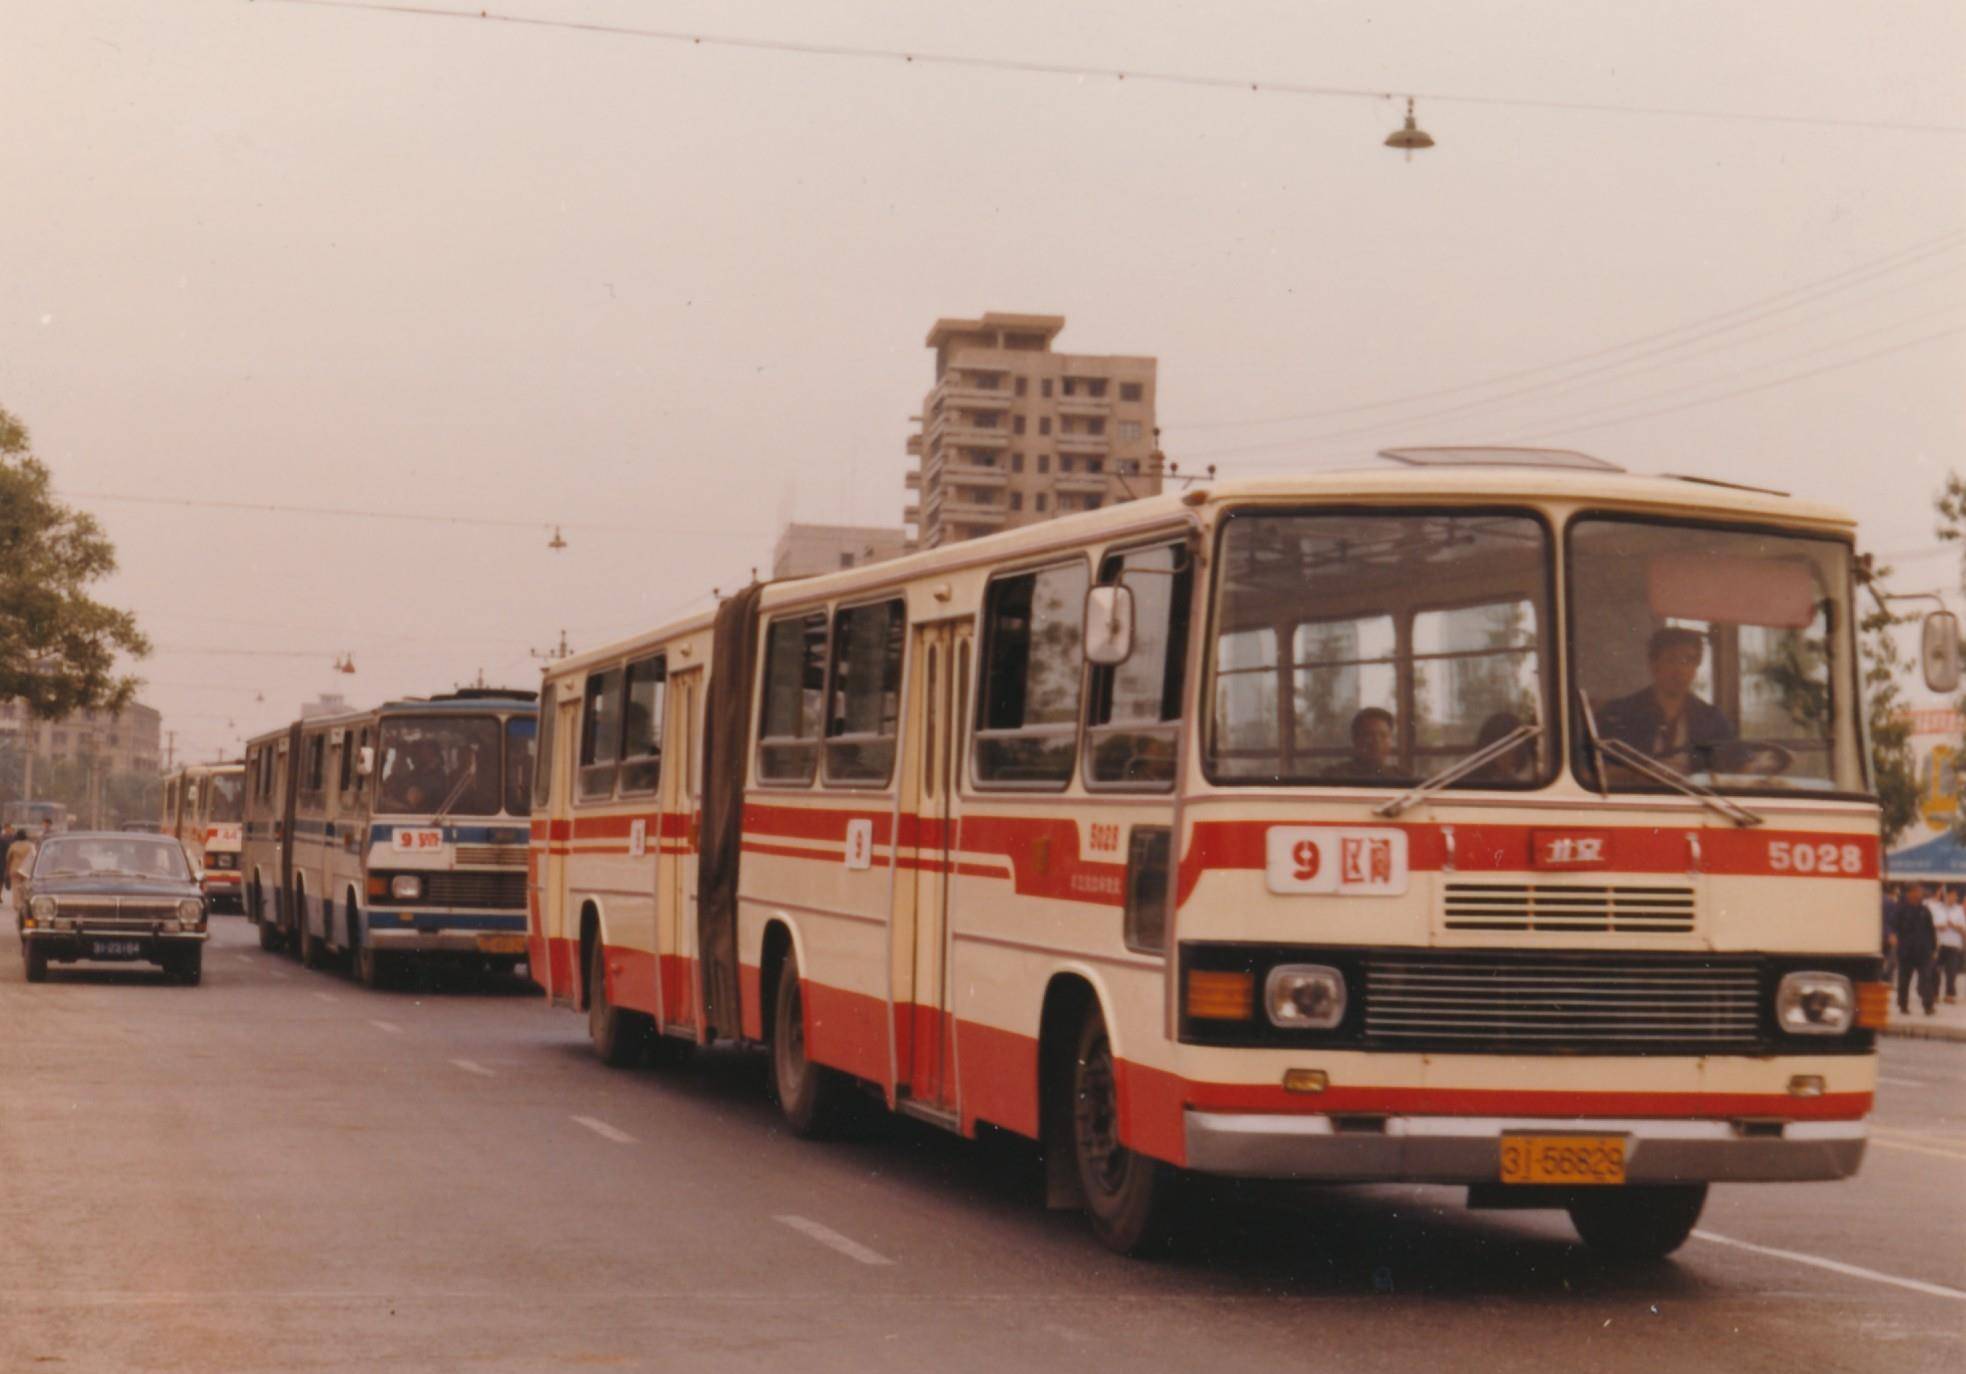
1373, 648
1719, 653
426, 760
520, 732
227, 797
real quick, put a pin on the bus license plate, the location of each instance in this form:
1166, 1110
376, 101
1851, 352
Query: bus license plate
115, 949
501, 944
1563, 1159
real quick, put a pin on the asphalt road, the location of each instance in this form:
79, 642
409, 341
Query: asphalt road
279, 1170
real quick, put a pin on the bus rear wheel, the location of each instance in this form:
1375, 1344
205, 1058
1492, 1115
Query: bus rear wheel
1128, 1196
620, 1037
811, 1096
1638, 1223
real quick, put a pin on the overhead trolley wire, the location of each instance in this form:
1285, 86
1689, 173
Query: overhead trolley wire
1755, 311
1082, 70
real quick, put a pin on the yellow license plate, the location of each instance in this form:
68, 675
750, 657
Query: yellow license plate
501, 944
1563, 1159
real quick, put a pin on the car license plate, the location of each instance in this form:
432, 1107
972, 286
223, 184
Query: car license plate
115, 949
1563, 1159
501, 944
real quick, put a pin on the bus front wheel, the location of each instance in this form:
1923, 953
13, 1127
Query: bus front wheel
1639, 1223
619, 1036
811, 1096
1127, 1195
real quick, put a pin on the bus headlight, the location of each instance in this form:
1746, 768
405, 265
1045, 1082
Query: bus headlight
406, 887
1815, 1004
1304, 996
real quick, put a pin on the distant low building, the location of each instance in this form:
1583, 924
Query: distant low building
126, 741
327, 704
805, 550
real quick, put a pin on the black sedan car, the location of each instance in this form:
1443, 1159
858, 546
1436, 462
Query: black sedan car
111, 896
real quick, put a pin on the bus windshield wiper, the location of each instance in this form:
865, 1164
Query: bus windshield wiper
1459, 769
457, 790
1645, 764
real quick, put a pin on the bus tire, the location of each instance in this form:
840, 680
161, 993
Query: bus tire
812, 1097
620, 1037
35, 958
1646, 1222
1127, 1195
306, 948
370, 970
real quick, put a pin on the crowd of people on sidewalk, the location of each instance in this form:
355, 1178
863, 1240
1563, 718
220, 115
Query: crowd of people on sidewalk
1924, 942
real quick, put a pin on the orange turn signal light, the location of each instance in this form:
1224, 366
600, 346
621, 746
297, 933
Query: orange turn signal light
1221, 996
1873, 1005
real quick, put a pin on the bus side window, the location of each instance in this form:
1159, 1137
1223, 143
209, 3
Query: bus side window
795, 688
600, 736
346, 783
1134, 719
865, 702
1028, 717
542, 774
641, 746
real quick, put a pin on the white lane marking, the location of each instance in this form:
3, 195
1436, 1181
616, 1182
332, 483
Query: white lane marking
1935, 1290
833, 1240
605, 1131
1903, 1082
389, 1026
1918, 1144
469, 1067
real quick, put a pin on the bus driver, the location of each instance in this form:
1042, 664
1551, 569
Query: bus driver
1665, 719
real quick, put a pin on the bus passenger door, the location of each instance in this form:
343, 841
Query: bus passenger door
560, 978
682, 798
939, 703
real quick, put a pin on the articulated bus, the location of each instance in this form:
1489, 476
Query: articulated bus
394, 835
1493, 819
204, 807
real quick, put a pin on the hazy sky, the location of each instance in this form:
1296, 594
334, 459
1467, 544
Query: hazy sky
666, 295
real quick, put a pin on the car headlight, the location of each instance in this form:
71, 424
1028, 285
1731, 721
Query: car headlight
406, 887
190, 911
1815, 1004
42, 908
1304, 996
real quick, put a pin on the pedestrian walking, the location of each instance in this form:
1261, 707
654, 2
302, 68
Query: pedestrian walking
14, 850
1914, 935
1893, 894
1950, 919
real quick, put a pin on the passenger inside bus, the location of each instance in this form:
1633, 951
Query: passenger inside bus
1372, 747
417, 783
1518, 764
1665, 718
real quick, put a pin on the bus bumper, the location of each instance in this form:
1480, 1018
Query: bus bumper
1447, 1149
492, 943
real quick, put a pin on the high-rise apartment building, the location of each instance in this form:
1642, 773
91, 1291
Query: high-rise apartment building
1013, 433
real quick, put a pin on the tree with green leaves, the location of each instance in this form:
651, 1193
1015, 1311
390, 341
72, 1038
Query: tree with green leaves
58, 646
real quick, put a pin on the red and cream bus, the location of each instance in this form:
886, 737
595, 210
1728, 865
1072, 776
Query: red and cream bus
1494, 818
204, 807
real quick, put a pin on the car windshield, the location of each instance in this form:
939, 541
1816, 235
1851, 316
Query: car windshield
227, 798
1720, 653
1372, 648
424, 762
519, 740
128, 856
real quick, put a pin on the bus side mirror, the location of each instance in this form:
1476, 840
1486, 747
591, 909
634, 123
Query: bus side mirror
1108, 625
1939, 651
365, 760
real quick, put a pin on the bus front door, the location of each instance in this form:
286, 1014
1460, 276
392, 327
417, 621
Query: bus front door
940, 702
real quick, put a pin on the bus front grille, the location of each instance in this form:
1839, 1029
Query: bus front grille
1504, 1003
494, 891
1568, 909
493, 855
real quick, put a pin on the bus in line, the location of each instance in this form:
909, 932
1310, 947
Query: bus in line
204, 808
394, 837
1491, 818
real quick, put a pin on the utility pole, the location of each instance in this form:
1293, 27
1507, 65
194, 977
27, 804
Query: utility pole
170, 748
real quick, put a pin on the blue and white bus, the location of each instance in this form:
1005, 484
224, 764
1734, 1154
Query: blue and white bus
394, 835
